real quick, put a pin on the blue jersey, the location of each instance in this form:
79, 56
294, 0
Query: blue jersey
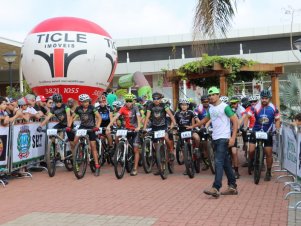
264, 116
200, 111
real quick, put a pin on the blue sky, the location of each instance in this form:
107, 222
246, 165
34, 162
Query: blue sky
136, 18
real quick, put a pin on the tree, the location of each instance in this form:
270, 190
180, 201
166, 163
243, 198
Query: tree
213, 17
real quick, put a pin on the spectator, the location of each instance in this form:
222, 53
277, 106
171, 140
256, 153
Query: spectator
23, 108
297, 121
31, 100
4, 119
41, 104
111, 97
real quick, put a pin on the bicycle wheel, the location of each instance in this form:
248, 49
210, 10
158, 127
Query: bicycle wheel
161, 160
102, 156
130, 158
80, 161
188, 159
258, 163
119, 160
69, 161
171, 165
211, 157
51, 158
147, 156
197, 161
179, 153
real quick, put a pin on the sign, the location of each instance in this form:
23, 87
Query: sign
289, 149
4, 147
28, 144
70, 56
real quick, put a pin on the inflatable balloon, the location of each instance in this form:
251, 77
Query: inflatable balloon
137, 79
69, 56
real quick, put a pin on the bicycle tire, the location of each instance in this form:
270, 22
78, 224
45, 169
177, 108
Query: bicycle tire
147, 156
130, 157
197, 165
258, 163
211, 157
161, 160
69, 162
80, 161
179, 153
119, 160
51, 159
188, 162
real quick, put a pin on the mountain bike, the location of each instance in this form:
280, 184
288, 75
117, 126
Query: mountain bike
58, 149
206, 143
124, 154
82, 153
103, 148
148, 153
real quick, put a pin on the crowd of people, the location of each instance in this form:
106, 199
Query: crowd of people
226, 116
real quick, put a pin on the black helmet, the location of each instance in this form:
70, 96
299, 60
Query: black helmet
57, 98
245, 103
204, 97
157, 95
265, 93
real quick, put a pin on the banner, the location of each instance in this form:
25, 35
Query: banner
4, 147
28, 144
289, 149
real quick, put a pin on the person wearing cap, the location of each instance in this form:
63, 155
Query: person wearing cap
41, 104
31, 99
221, 116
111, 97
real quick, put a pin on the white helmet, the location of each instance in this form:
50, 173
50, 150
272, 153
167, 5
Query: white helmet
224, 99
83, 97
117, 104
253, 98
184, 101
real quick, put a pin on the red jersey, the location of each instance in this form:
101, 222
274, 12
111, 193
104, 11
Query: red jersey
252, 116
130, 116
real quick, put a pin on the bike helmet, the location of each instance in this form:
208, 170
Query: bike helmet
117, 104
213, 90
245, 103
224, 99
265, 93
184, 101
157, 95
84, 97
234, 100
57, 98
252, 98
129, 97
204, 97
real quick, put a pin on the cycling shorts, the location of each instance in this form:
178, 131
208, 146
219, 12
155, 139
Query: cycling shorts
70, 134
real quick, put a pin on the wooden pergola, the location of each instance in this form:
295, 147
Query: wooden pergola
274, 70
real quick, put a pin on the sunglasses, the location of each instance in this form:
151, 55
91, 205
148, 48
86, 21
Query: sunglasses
205, 102
209, 95
156, 98
129, 101
254, 101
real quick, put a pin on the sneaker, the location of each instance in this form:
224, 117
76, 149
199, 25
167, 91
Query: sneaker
213, 192
97, 171
171, 157
268, 176
230, 191
134, 172
237, 175
185, 173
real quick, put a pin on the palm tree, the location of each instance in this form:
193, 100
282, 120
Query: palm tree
213, 17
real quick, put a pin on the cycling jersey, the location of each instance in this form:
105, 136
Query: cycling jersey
264, 116
251, 118
184, 118
105, 115
60, 113
130, 116
239, 111
87, 116
158, 114
200, 111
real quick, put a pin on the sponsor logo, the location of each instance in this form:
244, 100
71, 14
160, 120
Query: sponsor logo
23, 142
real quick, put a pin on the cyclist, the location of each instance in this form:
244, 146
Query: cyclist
157, 112
221, 115
184, 118
201, 111
239, 111
105, 112
89, 119
63, 114
265, 115
132, 119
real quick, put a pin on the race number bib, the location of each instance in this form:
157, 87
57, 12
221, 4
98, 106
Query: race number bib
121, 132
51, 132
186, 134
99, 131
261, 135
81, 132
159, 134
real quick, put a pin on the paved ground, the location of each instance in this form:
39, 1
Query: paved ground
141, 200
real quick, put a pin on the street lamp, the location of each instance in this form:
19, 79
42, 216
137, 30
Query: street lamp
10, 57
297, 44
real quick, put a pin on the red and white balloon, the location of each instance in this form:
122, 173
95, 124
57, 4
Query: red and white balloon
69, 56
